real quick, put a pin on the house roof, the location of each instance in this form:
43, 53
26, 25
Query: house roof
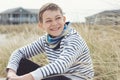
115, 12
33, 11
106, 12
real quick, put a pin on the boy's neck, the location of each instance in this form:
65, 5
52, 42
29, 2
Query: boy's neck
52, 36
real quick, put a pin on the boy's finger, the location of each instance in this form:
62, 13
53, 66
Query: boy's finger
7, 78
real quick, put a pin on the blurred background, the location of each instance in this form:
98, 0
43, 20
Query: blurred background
97, 21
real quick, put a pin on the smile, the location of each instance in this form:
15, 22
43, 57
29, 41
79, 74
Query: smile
55, 29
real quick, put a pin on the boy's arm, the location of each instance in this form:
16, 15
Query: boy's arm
25, 52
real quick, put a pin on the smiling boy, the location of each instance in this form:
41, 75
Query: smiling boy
67, 52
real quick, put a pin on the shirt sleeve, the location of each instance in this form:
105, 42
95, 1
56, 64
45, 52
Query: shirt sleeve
68, 56
25, 52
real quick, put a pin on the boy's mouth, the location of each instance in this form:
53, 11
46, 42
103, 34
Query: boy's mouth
55, 29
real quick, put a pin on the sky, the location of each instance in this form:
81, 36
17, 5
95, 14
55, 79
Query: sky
75, 10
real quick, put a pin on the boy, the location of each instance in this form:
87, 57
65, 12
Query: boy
68, 54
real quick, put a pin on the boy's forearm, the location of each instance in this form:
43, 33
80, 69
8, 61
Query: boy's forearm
11, 74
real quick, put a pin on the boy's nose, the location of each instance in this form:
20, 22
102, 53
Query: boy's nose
54, 22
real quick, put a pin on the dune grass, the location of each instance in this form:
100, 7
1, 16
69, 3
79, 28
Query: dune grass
103, 41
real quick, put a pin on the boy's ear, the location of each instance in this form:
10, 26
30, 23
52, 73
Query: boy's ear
40, 25
64, 18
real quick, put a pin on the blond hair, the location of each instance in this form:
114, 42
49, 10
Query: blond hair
48, 6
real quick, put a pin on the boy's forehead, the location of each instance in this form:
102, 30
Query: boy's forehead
51, 13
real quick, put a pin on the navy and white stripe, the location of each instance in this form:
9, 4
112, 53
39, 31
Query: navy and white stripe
71, 57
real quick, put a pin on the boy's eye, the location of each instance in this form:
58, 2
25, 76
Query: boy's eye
58, 18
48, 21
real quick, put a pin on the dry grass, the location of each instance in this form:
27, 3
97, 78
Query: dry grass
103, 41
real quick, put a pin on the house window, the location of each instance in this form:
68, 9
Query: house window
16, 15
31, 16
8, 15
25, 15
116, 23
115, 16
110, 15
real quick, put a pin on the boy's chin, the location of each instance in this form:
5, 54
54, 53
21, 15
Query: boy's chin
55, 35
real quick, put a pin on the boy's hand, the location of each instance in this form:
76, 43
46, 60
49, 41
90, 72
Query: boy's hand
24, 77
11, 73
12, 76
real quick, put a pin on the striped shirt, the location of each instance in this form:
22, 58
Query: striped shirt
72, 57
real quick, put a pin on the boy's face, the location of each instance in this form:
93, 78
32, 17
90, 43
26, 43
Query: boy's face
53, 22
